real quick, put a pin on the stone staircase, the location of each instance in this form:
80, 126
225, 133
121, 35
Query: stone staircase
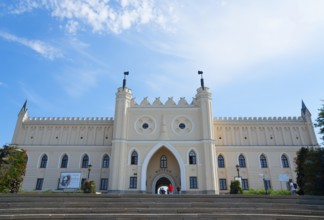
146, 206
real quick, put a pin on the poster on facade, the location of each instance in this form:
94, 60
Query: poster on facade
283, 178
70, 181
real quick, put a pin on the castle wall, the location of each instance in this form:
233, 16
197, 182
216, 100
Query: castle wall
170, 128
65, 131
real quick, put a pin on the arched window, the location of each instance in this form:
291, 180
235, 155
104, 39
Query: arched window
43, 163
192, 157
242, 161
163, 162
134, 158
221, 161
85, 161
284, 161
64, 161
263, 161
105, 161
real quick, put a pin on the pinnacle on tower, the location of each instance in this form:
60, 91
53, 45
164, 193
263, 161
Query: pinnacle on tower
124, 80
202, 79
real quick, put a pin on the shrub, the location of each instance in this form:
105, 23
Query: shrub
89, 186
12, 168
270, 192
235, 187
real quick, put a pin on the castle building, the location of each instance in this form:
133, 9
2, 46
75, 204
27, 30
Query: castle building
150, 145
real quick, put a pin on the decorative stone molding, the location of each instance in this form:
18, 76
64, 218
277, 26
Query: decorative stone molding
145, 125
182, 125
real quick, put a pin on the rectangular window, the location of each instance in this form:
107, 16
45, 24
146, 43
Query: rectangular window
193, 182
39, 184
222, 184
133, 182
245, 184
104, 184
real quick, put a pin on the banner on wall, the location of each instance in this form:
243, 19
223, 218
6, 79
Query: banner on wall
70, 181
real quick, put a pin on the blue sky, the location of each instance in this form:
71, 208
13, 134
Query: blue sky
67, 57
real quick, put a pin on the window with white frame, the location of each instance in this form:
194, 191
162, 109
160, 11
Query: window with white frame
39, 184
134, 158
85, 161
163, 162
222, 184
263, 161
43, 163
242, 162
221, 161
284, 161
64, 161
104, 184
133, 182
193, 182
105, 161
192, 157
245, 184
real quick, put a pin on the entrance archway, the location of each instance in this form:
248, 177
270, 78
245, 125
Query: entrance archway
163, 163
163, 181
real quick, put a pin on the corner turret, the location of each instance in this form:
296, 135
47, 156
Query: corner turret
306, 115
22, 116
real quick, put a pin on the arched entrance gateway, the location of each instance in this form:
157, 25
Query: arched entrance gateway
162, 168
161, 183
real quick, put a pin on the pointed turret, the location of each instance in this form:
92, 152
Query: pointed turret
22, 116
24, 109
306, 115
304, 108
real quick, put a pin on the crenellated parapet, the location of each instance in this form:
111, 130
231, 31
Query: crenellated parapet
260, 119
170, 102
262, 131
69, 120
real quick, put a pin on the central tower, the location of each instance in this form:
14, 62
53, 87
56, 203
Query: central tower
161, 143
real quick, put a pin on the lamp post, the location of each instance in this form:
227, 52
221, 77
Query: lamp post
89, 170
238, 170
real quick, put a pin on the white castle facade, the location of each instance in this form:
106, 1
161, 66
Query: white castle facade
148, 145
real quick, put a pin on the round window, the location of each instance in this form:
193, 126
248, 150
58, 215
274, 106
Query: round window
145, 126
182, 126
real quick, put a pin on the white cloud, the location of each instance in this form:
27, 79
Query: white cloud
102, 16
227, 37
38, 46
23, 6
222, 37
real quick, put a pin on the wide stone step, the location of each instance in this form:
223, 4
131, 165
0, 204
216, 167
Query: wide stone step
109, 205
121, 206
159, 210
169, 216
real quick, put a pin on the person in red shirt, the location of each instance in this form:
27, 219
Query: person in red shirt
170, 188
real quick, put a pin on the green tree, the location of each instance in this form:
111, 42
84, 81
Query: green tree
320, 122
12, 168
310, 170
300, 170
